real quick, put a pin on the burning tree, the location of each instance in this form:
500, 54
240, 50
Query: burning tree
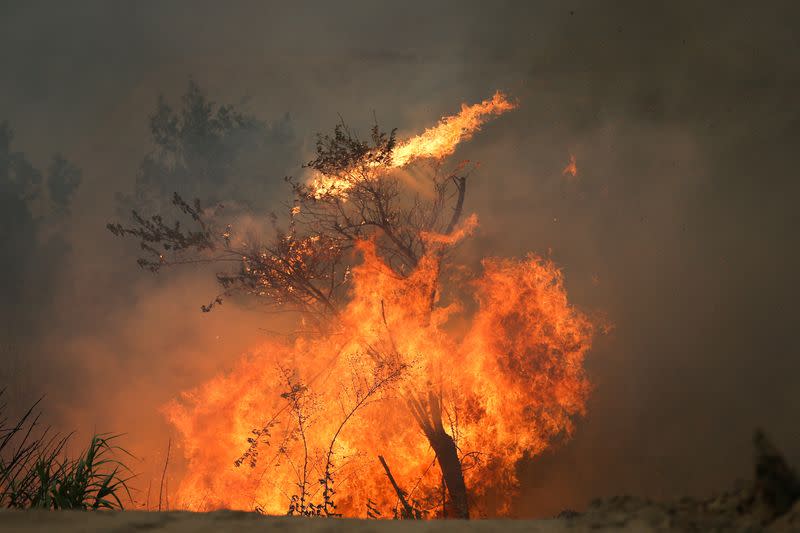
405, 353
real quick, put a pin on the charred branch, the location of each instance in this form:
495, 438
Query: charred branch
428, 414
408, 510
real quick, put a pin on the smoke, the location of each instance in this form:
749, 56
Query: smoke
679, 225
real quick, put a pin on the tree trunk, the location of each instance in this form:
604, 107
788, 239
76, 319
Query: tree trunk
429, 416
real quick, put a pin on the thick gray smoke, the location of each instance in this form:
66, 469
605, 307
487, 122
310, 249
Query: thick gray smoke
679, 226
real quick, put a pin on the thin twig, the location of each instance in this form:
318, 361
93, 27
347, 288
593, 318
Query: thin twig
164, 474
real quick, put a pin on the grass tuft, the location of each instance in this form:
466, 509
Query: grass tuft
35, 472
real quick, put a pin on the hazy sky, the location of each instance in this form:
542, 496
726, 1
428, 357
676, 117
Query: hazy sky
680, 226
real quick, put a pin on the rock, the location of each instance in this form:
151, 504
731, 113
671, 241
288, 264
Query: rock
776, 487
790, 521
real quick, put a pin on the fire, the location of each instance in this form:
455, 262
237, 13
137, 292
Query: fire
303, 422
571, 168
441, 140
511, 375
436, 142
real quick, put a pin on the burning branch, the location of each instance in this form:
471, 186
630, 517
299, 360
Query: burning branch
295, 396
352, 198
408, 510
385, 374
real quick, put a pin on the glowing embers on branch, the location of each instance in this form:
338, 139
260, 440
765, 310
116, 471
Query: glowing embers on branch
437, 142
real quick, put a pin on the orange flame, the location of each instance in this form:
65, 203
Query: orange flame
510, 373
436, 142
441, 140
571, 168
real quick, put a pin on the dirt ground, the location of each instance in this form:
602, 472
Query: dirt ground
769, 503
180, 522
618, 514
